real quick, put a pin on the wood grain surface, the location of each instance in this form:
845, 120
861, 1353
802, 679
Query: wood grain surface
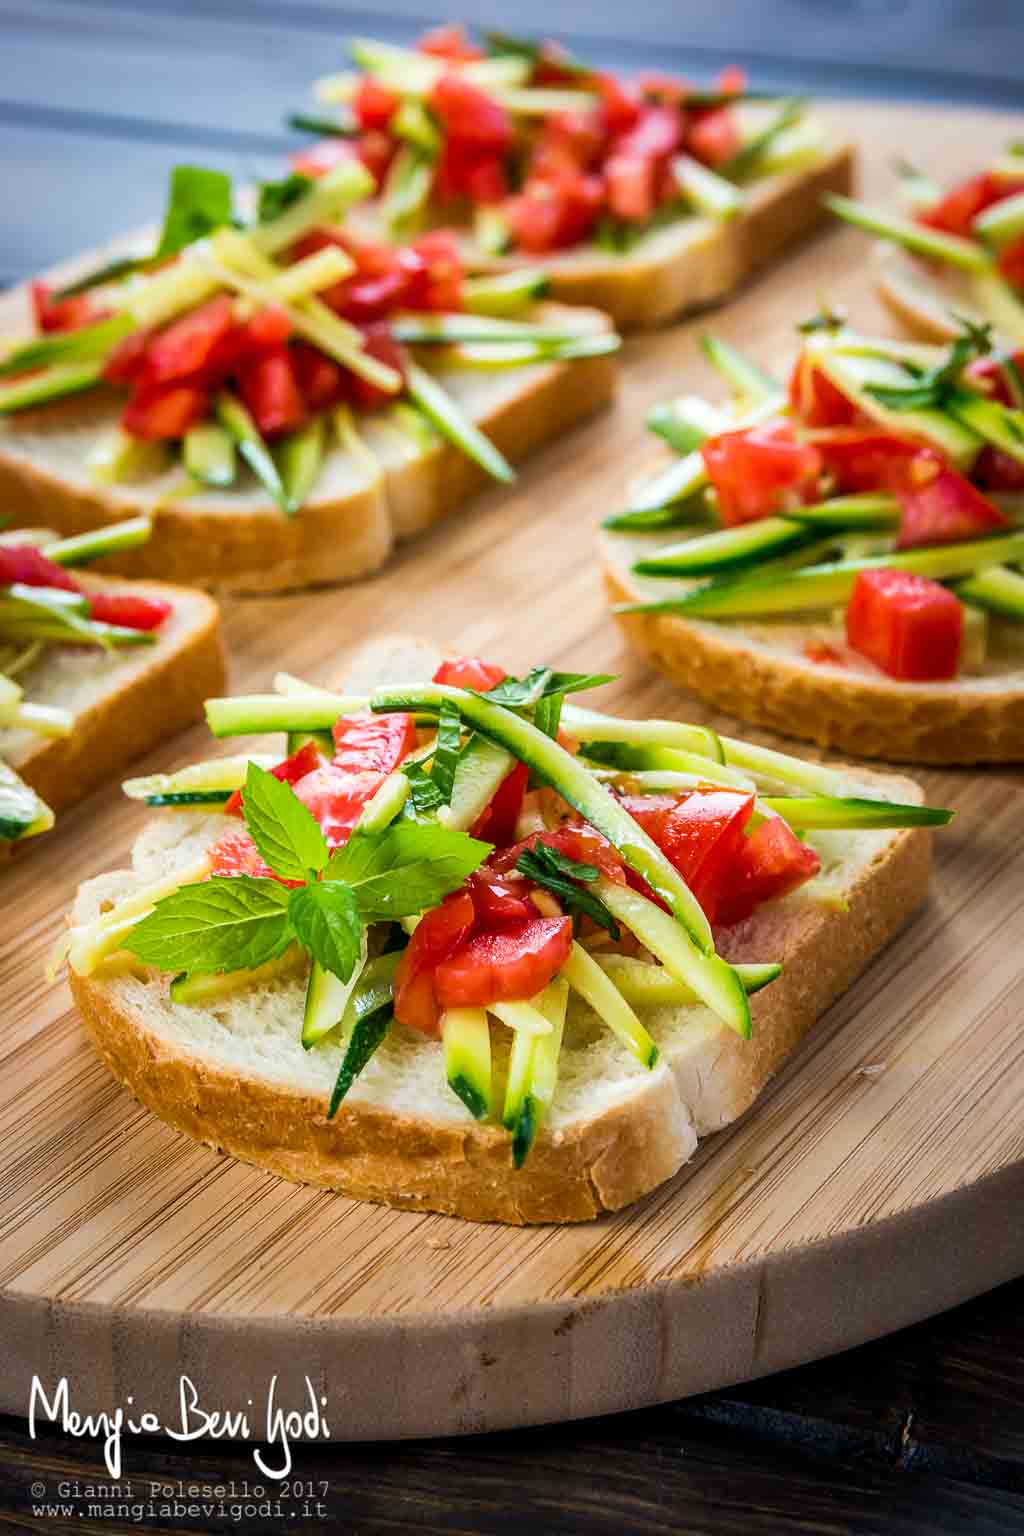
872, 1184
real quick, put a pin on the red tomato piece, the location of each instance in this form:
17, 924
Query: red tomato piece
486, 182
910, 627
700, 833
497, 824
575, 841
268, 385
184, 348
657, 134
377, 743
989, 375
714, 137
732, 81
166, 412
434, 267
336, 798
267, 327
470, 672
376, 151
372, 298
569, 141
508, 965
306, 760
667, 90
629, 182
374, 104
997, 471
620, 103
437, 935
815, 399
28, 565
128, 359
379, 343
318, 377
957, 210
864, 458
469, 115
771, 863
500, 901
129, 609
1011, 263
449, 42
760, 470
63, 314
938, 505
235, 854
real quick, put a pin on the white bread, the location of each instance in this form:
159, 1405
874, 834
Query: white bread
124, 701
239, 540
236, 1077
759, 672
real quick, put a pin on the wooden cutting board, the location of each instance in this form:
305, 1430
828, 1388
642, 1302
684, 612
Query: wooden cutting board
878, 1179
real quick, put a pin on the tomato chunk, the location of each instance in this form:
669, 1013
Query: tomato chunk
500, 901
701, 833
864, 458
68, 314
318, 376
294, 768
998, 471
373, 743
630, 187
185, 347
236, 854
336, 798
715, 136
28, 565
165, 412
816, 400
379, 343
470, 672
268, 385
771, 863
469, 115
374, 104
758, 471
509, 965
128, 359
910, 627
939, 506
956, 211
438, 934
449, 42
129, 609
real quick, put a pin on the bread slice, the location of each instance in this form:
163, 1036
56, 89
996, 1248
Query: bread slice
124, 701
761, 672
239, 540
235, 1076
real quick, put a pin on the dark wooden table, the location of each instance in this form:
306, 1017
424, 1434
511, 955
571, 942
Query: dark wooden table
921, 1432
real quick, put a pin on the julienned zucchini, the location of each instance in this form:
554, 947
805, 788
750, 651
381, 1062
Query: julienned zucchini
466, 1036
726, 549
209, 783
365, 1024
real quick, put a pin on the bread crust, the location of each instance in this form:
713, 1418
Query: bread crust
866, 716
465, 1169
641, 291
161, 699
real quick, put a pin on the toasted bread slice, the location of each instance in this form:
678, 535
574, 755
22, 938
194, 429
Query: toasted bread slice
238, 540
124, 702
236, 1077
764, 672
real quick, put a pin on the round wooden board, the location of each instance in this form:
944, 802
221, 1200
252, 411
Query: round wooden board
876, 1181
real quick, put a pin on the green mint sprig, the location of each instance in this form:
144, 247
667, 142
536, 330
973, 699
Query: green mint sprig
561, 875
933, 388
541, 683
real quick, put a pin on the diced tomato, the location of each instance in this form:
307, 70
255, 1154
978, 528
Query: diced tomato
864, 458
657, 134
269, 326
630, 187
771, 863
437, 935
268, 385
815, 399
166, 412
336, 798
379, 343
997, 471
323, 156
732, 81
373, 298
126, 362
63, 314
668, 90
373, 742
470, 672
449, 42
714, 137
507, 965
497, 824
500, 901
129, 610
760, 470
700, 833
376, 151
486, 182
374, 104
184, 348
318, 377
620, 103
236, 854
549, 215
957, 210
469, 115
1011, 263
910, 627
434, 267
306, 760
552, 64
26, 564
938, 505
569, 141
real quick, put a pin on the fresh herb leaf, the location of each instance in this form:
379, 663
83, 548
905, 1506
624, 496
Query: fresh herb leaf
286, 834
223, 924
367, 1035
110, 272
423, 792
509, 45
746, 159
277, 196
524, 692
324, 127
557, 873
826, 319
405, 870
548, 713
446, 750
327, 923
199, 203
932, 388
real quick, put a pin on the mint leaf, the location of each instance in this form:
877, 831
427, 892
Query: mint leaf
326, 922
523, 692
199, 203
223, 924
932, 388
446, 750
284, 831
276, 196
423, 792
557, 873
407, 869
